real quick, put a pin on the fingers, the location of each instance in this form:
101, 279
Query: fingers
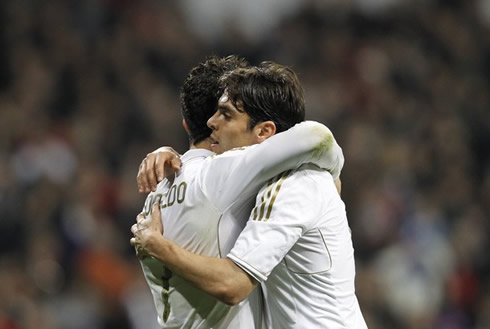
160, 166
134, 241
150, 172
155, 211
140, 252
134, 229
176, 163
145, 226
141, 217
156, 217
146, 178
152, 169
141, 178
166, 163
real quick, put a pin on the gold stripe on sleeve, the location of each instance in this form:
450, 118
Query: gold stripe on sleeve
263, 200
281, 181
268, 197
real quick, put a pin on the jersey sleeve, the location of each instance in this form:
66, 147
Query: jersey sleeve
285, 209
241, 172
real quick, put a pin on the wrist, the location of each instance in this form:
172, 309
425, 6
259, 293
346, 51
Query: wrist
156, 243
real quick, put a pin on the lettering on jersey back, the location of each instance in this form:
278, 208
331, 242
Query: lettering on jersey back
176, 194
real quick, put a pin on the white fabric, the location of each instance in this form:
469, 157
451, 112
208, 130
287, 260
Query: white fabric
205, 207
297, 243
192, 224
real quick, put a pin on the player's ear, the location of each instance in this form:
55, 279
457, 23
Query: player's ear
265, 130
184, 124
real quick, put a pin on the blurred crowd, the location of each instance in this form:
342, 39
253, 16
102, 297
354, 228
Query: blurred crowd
87, 88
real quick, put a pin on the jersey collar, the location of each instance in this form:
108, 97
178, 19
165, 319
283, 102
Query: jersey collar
195, 153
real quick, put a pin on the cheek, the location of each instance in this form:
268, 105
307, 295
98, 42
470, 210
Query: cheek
252, 139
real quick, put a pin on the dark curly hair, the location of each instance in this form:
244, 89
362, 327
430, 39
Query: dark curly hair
200, 93
268, 92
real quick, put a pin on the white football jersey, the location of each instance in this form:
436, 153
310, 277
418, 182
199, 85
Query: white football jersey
297, 243
205, 207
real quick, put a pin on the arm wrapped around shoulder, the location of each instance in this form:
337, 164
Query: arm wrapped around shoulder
326, 152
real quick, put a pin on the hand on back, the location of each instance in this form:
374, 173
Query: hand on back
157, 165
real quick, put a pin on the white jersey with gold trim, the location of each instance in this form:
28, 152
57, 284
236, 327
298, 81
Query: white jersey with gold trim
205, 207
191, 221
297, 243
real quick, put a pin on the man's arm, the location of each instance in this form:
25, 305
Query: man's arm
306, 142
157, 165
220, 278
236, 173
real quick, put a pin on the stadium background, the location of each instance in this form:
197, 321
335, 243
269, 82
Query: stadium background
87, 88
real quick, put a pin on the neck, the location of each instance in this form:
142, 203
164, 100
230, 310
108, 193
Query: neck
204, 144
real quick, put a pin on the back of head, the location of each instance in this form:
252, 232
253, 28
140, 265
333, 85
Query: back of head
269, 92
200, 92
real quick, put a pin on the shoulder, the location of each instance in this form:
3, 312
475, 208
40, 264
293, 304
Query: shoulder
301, 187
293, 198
314, 185
311, 176
235, 152
232, 159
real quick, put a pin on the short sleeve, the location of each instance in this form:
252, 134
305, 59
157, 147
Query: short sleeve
285, 209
